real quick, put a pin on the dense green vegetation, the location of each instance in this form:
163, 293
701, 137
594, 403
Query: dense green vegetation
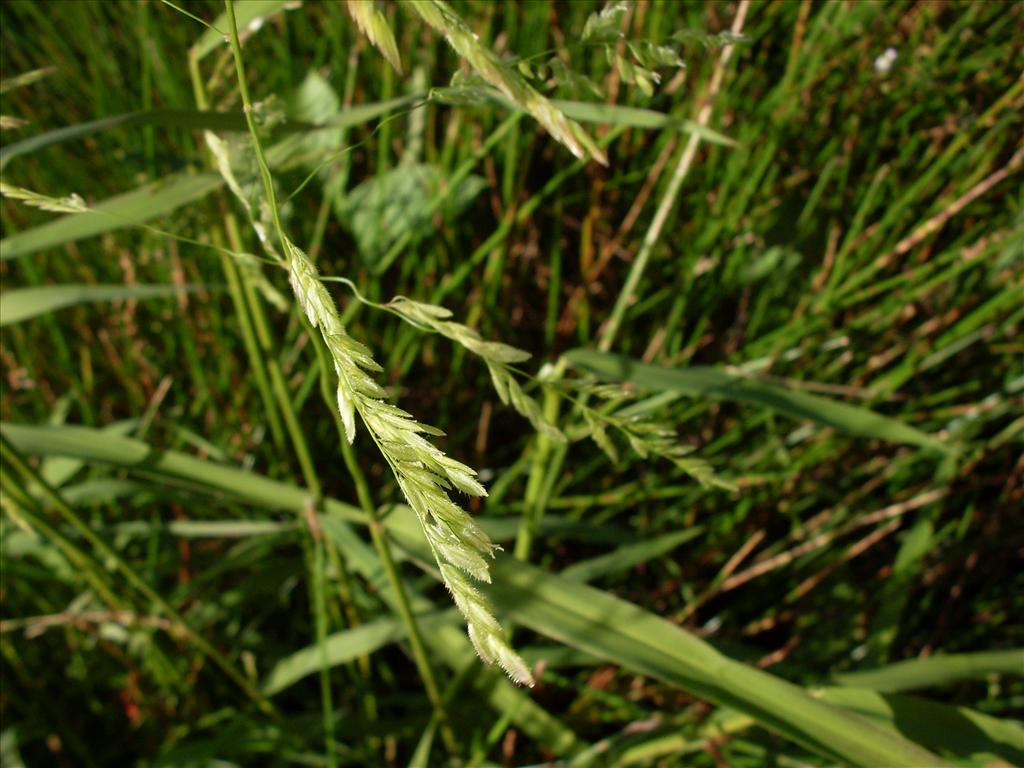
758, 484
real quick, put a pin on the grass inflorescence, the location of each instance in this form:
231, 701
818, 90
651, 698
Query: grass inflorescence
716, 309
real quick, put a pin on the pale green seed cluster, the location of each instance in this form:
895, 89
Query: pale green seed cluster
71, 204
372, 23
424, 473
508, 80
498, 356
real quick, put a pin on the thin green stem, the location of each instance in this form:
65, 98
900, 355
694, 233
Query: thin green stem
252, 349
280, 391
668, 199
535, 499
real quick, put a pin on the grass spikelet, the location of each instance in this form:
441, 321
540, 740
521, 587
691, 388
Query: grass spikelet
372, 23
498, 356
73, 203
508, 80
424, 473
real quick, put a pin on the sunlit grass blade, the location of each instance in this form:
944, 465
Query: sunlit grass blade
22, 304
960, 732
136, 207
97, 446
621, 633
194, 120
628, 555
717, 384
936, 671
348, 645
250, 15
638, 117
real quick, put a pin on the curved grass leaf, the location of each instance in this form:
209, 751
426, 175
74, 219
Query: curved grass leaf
619, 632
936, 671
193, 119
637, 117
348, 645
136, 207
716, 384
95, 445
249, 16
957, 731
25, 303
447, 642
338, 648
608, 114
628, 555
580, 616
166, 118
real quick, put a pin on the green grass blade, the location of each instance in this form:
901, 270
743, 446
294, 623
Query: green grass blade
97, 446
627, 556
448, 642
204, 529
936, 671
248, 13
701, 381
637, 117
958, 731
23, 304
192, 119
339, 648
603, 625
136, 207
166, 118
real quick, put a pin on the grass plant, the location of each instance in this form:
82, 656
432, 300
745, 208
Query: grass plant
718, 308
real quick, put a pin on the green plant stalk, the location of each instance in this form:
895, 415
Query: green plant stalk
668, 199
344, 581
318, 605
235, 283
269, 354
11, 455
249, 341
383, 547
418, 651
259, 347
535, 499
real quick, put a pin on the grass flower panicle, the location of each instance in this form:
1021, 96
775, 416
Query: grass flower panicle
424, 473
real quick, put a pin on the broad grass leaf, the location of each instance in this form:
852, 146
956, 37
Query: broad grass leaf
250, 15
959, 732
624, 634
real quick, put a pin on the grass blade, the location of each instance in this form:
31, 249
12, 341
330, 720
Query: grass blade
136, 207
637, 117
714, 383
629, 555
619, 632
339, 648
98, 446
958, 731
936, 671
25, 303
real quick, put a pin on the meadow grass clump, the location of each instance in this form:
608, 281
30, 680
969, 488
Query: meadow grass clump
727, 429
